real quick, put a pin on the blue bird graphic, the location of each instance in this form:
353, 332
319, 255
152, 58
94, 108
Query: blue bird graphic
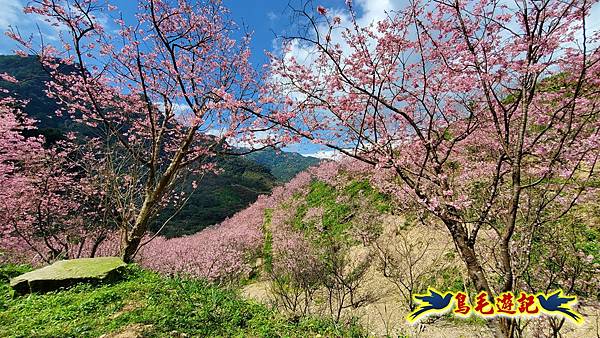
434, 301
557, 302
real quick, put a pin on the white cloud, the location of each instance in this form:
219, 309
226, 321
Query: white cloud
592, 23
180, 109
12, 16
247, 140
367, 11
325, 154
11, 13
375, 10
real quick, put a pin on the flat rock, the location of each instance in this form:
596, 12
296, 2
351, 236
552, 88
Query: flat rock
67, 273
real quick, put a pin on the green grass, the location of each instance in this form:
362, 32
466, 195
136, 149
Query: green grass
268, 241
161, 304
363, 189
339, 207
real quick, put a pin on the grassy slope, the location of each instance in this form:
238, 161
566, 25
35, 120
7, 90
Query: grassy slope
162, 305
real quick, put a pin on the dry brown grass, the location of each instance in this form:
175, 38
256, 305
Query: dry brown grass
385, 316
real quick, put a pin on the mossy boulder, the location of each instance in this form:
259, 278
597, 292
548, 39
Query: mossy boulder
66, 273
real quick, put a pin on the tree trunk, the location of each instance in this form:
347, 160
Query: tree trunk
133, 238
154, 193
96, 245
131, 246
475, 271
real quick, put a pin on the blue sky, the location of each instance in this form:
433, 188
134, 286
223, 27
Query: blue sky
264, 18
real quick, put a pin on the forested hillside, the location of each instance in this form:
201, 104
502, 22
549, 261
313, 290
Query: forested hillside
283, 165
31, 87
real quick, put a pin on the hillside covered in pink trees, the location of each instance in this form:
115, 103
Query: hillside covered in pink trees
230, 249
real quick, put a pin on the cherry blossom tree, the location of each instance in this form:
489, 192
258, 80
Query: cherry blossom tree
484, 112
154, 90
49, 208
14, 148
